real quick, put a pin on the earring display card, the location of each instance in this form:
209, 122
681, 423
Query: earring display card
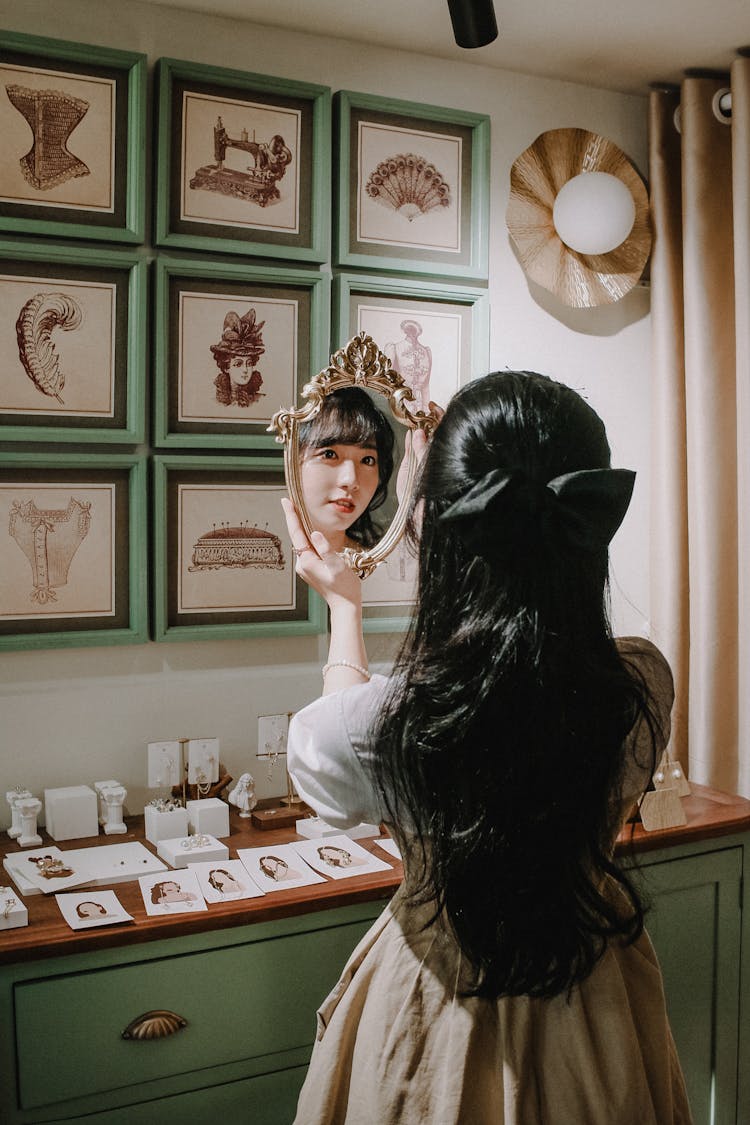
179, 893
278, 867
116, 863
203, 760
661, 808
225, 882
272, 735
84, 911
163, 764
47, 870
338, 857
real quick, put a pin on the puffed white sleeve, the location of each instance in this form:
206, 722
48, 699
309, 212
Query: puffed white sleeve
329, 752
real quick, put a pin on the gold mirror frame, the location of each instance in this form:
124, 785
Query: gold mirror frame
360, 363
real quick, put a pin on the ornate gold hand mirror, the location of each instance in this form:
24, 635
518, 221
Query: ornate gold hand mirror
350, 469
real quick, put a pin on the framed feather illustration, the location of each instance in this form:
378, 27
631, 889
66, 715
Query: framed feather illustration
72, 344
413, 185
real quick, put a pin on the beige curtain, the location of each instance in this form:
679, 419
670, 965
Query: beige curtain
700, 533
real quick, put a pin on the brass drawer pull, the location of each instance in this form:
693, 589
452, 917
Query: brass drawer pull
154, 1025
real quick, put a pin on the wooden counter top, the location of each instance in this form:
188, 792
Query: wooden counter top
709, 814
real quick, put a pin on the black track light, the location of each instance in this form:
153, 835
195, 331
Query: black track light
474, 23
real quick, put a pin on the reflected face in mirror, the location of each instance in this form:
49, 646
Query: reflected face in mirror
346, 456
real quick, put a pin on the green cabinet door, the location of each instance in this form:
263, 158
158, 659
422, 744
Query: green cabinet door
695, 925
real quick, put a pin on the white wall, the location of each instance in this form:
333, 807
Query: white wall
68, 717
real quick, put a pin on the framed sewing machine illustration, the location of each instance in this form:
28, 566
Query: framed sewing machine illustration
242, 162
72, 139
72, 550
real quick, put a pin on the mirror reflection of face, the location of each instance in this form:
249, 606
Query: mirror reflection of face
339, 482
346, 461
241, 368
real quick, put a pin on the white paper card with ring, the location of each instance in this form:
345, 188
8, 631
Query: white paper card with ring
348, 458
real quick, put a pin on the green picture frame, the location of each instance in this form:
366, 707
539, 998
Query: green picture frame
436, 335
217, 574
413, 185
87, 583
72, 343
210, 199
82, 108
285, 311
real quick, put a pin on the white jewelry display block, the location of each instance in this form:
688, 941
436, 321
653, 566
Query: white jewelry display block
208, 814
13, 913
313, 828
180, 852
165, 825
71, 812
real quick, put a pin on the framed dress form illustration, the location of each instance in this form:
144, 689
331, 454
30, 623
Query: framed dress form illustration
413, 187
72, 139
436, 336
72, 550
234, 344
243, 163
223, 564
72, 344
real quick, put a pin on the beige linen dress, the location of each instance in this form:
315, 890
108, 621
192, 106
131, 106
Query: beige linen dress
397, 1041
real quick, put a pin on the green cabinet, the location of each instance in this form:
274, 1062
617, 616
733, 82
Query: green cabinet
696, 923
249, 994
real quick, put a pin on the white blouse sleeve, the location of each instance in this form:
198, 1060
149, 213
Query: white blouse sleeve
328, 754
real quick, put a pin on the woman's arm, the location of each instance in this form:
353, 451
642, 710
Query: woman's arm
325, 570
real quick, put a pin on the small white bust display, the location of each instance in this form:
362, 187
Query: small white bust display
243, 795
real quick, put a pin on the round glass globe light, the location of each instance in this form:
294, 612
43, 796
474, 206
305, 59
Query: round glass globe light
593, 213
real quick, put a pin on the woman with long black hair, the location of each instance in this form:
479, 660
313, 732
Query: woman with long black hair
510, 979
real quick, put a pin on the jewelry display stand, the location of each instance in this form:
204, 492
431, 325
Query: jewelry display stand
28, 810
13, 797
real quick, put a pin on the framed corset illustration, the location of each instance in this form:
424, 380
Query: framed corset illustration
72, 550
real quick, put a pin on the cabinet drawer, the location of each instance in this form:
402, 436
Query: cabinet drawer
240, 1003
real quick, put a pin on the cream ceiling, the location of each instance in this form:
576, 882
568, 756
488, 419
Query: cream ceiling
613, 44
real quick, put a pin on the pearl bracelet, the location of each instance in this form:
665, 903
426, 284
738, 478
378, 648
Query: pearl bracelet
346, 664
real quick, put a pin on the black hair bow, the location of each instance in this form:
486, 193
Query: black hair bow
580, 510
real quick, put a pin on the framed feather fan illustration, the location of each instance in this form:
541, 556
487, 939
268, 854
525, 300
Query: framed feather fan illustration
413, 184
72, 344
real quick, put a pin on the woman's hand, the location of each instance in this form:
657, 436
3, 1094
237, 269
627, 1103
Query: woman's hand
321, 567
415, 442
325, 570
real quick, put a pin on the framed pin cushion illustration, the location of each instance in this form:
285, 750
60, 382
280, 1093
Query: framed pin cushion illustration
234, 344
243, 163
72, 344
436, 336
72, 550
72, 139
413, 187
223, 565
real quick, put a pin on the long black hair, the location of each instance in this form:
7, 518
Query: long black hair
500, 753
348, 416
